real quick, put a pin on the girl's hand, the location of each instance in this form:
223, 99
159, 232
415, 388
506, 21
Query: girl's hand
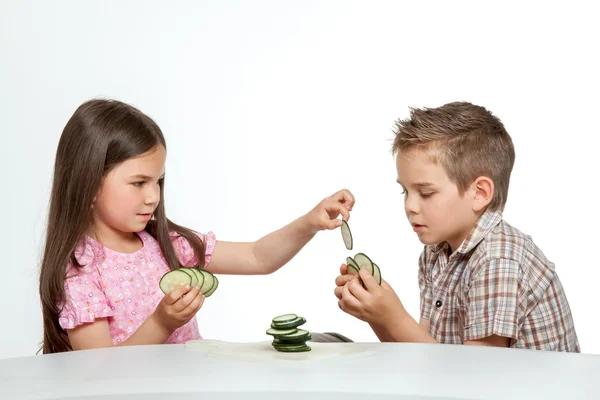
178, 307
324, 215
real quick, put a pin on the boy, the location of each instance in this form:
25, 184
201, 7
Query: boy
482, 281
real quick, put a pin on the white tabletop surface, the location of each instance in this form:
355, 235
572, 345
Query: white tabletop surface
385, 371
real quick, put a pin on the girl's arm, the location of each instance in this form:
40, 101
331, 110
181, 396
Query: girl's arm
274, 250
174, 310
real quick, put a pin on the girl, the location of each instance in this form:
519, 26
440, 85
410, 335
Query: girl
109, 241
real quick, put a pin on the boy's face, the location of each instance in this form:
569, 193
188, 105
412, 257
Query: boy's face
433, 205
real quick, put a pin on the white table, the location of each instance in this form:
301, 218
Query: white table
399, 371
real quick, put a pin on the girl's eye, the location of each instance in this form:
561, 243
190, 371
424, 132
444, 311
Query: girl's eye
137, 184
426, 195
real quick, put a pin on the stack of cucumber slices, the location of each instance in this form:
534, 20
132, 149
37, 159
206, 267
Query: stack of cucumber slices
360, 260
189, 276
287, 337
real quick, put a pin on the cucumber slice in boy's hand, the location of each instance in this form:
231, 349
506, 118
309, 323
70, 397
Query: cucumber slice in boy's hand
346, 235
362, 261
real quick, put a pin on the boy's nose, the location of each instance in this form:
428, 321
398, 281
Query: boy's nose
411, 206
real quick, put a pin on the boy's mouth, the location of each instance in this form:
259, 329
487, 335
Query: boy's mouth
417, 227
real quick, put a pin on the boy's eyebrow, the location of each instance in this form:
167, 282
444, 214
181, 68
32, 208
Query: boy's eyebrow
419, 184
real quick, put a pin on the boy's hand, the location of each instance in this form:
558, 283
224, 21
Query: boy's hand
324, 215
374, 304
178, 307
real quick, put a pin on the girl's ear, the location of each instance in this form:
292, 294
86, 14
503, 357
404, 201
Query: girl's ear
483, 192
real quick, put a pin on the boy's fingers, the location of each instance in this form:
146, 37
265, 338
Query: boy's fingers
368, 280
357, 290
343, 279
349, 301
338, 292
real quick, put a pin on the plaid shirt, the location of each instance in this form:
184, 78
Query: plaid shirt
496, 283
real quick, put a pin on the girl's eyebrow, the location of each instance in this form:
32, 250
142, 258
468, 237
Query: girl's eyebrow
145, 177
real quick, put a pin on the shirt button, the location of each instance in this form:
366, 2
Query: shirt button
438, 304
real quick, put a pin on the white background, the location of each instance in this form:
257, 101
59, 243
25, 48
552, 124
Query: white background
269, 106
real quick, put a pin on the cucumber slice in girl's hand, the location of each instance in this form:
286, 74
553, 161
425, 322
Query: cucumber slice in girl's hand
197, 279
173, 279
208, 280
214, 287
346, 235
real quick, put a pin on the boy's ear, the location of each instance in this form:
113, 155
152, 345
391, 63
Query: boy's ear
483, 193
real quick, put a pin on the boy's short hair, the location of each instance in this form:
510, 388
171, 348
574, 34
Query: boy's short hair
467, 140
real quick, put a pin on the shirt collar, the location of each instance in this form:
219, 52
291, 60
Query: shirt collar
488, 221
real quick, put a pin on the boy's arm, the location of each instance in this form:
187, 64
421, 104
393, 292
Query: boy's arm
379, 306
274, 250
410, 331
384, 337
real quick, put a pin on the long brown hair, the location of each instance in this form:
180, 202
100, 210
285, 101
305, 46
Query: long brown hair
100, 135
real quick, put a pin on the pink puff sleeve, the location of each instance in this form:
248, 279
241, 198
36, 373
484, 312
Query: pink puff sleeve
184, 250
84, 300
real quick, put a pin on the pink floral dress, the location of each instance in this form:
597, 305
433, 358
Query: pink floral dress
124, 287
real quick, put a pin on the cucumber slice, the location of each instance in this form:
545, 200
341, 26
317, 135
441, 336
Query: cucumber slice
350, 269
377, 273
300, 334
284, 318
286, 335
199, 278
209, 280
289, 324
364, 262
213, 288
191, 274
346, 235
294, 348
350, 261
301, 339
173, 279
280, 332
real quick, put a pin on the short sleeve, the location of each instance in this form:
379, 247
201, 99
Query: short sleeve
493, 300
425, 287
185, 252
85, 300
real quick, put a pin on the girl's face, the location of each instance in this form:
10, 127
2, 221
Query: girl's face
128, 195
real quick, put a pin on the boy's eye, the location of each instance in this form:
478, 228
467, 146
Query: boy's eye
425, 195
